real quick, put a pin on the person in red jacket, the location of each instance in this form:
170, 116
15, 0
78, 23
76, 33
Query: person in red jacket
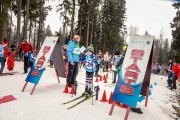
10, 62
3, 54
176, 71
27, 48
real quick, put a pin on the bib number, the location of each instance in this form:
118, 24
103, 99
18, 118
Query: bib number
76, 51
90, 65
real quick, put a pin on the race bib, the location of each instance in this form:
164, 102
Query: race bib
90, 65
76, 51
1, 51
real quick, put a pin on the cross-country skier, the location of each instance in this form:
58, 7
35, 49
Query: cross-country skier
73, 59
106, 62
116, 60
99, 60
176, 72
3, 54
27, 48
90, 65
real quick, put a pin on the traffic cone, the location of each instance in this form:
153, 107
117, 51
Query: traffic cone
100, 79
107, 75
110, 99
66, 89
104, 97
96, 79
105, 79
72, 90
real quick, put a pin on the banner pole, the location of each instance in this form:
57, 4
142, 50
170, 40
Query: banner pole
147, 95
112, 108
24, 86
33, 89
127, 113
57, 75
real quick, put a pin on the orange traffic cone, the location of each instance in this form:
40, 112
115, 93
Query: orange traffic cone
110, 99
100, 79
104, 97
105, 79
66, 89
72, 90
107, 75
96, 79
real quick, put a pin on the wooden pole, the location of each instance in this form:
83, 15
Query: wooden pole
57, 75
112, 108
33, 89
147, 95
24, 86
127, 113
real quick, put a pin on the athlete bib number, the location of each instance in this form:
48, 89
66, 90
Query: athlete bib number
1, 51
89, 65
76, 51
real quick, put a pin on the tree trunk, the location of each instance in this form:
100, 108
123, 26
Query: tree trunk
30, 32
19, 21
40, 26
72, 22
87, 36
10, 29
35, 35
4, 20
26, 20
80, 28
92, 23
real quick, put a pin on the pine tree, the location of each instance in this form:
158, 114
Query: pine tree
175, 25
48, 31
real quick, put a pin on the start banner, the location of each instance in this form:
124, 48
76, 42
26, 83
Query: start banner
44, 54
133, 70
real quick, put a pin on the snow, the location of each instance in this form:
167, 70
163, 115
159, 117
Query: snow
46, 102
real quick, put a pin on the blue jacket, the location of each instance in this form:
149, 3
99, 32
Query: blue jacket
90, 63
73, 51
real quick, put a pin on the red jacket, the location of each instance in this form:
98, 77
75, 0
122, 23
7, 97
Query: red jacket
26, 47
10, 62
176, 70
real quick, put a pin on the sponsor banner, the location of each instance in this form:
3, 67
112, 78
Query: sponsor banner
133, 70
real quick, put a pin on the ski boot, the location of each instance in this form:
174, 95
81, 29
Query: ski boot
85, 93
89, 94
96, 75
137, 110
114, 81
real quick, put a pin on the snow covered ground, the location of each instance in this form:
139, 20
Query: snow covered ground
46, 102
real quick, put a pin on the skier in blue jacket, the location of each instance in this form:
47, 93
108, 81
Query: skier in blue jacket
73, 52
90, 65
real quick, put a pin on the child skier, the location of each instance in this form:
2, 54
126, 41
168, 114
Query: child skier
99, 60
90, 65
116, 61
3, 54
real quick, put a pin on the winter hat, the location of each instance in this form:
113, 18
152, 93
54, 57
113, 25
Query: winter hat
117, 53
124, 47
23, 42
76, 37
5, 41
90, 48
99, 50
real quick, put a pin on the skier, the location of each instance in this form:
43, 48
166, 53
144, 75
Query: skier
116, 60
3, 54
73, 59
99, 60
65, 57
27, 48
90, 66
106, 61
176, 71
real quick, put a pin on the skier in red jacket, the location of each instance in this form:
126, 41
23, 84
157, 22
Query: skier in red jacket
3, 54
176, 71
27, 48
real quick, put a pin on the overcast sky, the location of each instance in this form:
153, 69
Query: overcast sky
150, 15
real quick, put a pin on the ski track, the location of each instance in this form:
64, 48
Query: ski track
46, 102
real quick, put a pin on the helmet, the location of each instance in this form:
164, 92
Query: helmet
124, 47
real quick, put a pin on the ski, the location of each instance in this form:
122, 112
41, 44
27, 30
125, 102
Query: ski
85, 99
74, 99
4, 74
111, 84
